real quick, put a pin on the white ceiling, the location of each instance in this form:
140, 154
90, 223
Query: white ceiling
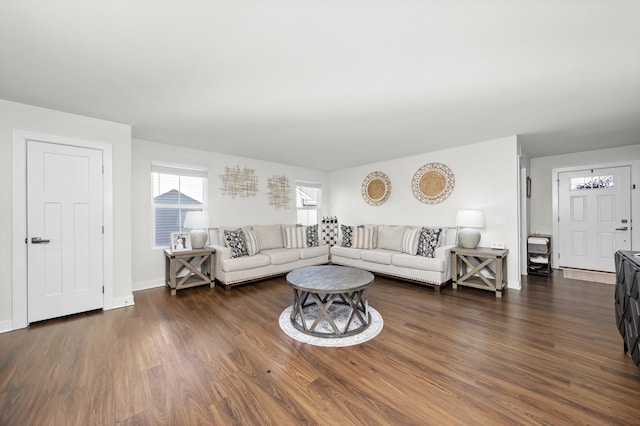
332, 84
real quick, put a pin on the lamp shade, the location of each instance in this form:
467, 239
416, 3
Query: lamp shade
198, 222
470, 219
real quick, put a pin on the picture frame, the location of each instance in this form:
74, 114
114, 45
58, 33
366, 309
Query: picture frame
180, 241
528, 187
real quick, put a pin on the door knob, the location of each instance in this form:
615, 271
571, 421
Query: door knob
38, 240
624, 228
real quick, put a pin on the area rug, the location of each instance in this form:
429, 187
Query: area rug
375, 327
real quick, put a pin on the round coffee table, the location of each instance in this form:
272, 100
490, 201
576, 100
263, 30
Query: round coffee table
333, 295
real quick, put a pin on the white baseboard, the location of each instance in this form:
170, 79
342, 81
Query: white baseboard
148, 284
121, 302
6, 326
514, 284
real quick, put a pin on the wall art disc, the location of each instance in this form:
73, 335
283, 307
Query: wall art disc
433, 183
376, 188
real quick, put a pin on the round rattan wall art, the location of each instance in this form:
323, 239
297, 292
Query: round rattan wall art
433, 183
376, 188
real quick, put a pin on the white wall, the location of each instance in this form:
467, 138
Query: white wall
14, 116
148, 263
542, 184
486, 177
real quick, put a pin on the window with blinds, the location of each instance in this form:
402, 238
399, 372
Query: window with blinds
175, 191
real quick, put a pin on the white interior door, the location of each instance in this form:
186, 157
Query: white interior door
64, 227
595, 217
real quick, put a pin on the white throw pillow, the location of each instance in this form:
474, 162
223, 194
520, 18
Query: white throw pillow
391, 237
410, 241
269, 236
295, 237
251, 240
363, 238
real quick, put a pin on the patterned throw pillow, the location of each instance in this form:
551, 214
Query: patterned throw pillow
410, 241
428, 242
347, 235
363, 238
251, 240
236, 242
295, 237
312, 236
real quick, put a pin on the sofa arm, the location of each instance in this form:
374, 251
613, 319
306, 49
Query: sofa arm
222, 253
444, 253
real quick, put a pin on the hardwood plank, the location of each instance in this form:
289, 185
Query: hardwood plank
549, 354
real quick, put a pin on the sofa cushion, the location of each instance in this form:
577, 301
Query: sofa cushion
429, 241
295, 237
347, 252
245, 262
347, 235
311, 252
410, 241
281, 255
236, 242
363, 237
381, 256
269, 236
313, 240
390, 237
418, 262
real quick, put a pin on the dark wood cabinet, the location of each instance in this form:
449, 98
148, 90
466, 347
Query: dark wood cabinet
627, 301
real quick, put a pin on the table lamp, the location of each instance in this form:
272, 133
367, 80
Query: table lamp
197, 222
469, 221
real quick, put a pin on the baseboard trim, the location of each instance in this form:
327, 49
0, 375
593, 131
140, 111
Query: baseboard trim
6, 326
147, 285
121, 302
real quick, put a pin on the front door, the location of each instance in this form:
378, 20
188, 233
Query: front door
64, 228
595, 217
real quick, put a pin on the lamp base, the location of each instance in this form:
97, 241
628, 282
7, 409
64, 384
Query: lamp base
198, 238
467, 237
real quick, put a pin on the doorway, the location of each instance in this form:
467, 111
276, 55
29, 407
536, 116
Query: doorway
93, 249
593, 216
64, 230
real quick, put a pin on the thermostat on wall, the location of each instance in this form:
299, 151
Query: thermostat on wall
497, 245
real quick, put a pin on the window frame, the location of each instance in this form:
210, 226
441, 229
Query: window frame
179, 170
317, 207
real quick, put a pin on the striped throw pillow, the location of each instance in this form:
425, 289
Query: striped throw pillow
363, 238
251, 240
295, 237
410, 241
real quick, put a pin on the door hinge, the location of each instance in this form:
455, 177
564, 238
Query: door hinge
102, 289
103, 229
633, 186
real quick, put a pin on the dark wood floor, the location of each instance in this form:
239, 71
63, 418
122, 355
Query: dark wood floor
549, 354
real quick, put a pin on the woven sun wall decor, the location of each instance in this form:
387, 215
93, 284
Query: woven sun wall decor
433, 183
279, 192
238, 182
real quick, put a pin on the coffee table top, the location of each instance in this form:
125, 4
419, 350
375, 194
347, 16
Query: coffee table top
329, 279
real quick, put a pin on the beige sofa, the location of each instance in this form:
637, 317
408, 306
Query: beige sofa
270, 250
391, 250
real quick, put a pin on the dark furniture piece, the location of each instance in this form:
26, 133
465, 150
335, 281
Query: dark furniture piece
481, 267
539, 255
627, 301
